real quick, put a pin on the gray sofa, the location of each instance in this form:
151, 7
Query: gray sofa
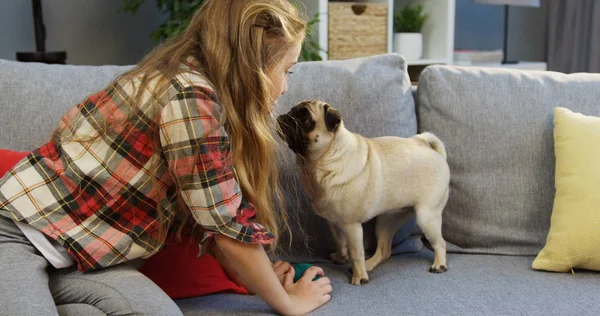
497, 127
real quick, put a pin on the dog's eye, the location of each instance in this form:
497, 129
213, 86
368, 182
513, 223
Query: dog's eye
306, 120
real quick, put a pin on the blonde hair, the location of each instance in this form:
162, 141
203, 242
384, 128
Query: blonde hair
235, 43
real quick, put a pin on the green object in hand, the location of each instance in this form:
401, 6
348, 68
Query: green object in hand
299, 269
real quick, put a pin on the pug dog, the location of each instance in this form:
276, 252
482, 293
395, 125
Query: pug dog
350, 179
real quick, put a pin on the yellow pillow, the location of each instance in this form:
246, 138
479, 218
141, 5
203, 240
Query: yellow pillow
573, 241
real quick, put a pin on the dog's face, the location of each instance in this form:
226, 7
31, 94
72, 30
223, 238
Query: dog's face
308, 126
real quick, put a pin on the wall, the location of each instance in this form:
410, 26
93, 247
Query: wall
92, 32
480, 26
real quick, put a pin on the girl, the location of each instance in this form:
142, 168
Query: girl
184, 137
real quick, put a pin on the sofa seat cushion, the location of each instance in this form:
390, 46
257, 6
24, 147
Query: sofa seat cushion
474, 285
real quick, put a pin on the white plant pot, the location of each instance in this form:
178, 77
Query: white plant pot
409, 45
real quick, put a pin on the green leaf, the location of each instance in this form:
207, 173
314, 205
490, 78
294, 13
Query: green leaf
410, 19
130, 6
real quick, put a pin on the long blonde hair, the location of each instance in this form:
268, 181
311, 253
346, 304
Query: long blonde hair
235, 43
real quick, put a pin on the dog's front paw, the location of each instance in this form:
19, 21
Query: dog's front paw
438, 268
360, 280
338, 259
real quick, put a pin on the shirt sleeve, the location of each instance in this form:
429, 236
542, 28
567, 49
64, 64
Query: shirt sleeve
197, 151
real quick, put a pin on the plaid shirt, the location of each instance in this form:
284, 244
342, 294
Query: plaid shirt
98, 199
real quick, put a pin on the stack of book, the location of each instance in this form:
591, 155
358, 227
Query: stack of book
470, 57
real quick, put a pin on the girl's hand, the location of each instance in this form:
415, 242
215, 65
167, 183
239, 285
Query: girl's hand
282, 268
252, 264
307, 295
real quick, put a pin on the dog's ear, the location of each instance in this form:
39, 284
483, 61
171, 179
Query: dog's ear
333, 118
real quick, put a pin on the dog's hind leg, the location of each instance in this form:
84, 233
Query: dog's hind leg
386, 226
341, 254
354, 236
429, 220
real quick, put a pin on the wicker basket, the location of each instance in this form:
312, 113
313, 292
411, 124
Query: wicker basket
357, 29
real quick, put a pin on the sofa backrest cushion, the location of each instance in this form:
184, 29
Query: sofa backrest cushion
34, 96
498, 131
373, 93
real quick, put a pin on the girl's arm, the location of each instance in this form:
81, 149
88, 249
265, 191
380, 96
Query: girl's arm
196, 149
281, 268
254, 267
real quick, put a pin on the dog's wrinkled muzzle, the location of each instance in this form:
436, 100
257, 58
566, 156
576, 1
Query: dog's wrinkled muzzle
291, 132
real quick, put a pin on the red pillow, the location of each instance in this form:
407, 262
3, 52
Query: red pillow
181, 273
8, 159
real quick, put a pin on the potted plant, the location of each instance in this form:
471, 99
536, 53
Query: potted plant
408, 23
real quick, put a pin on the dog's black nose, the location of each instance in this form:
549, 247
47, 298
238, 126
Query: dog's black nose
283, 119
291, 132
284, 125
280, 118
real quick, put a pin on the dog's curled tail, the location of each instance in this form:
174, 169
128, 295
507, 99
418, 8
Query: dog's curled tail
433, 142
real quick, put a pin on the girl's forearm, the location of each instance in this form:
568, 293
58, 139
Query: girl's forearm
254, 267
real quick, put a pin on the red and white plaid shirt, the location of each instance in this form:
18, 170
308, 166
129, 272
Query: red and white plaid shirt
97, 199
